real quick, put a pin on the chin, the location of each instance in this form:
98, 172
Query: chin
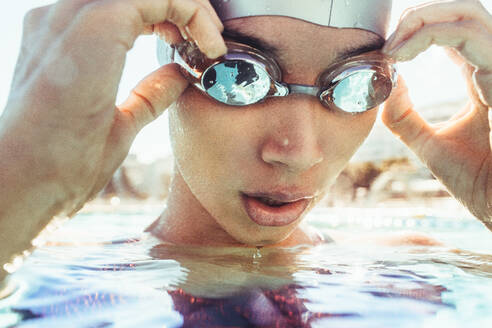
260, 238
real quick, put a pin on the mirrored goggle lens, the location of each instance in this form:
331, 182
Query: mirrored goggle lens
360, 91
236, 82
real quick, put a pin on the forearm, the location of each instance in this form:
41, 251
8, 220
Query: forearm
30, 198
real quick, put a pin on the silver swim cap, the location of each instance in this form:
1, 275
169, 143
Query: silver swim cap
371, 15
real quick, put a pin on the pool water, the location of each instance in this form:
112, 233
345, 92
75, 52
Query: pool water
100, 270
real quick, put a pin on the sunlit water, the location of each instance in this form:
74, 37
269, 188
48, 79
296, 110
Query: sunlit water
101, 271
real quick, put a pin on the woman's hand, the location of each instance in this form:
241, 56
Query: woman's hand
61, 134
458, 152
61, 120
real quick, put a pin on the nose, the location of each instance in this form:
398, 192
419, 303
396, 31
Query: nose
292, 141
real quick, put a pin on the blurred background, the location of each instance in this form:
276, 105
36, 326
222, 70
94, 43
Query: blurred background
382, 173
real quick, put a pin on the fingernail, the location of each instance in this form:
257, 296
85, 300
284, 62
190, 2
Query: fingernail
217, 51
186, 33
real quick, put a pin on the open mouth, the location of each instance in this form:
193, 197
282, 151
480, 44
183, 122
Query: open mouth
271, 202
272, 212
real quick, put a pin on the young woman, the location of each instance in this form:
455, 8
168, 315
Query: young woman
245, 175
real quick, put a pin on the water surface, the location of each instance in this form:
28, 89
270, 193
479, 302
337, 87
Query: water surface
99, 270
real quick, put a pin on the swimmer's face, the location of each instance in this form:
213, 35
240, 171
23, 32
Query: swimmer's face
287, 147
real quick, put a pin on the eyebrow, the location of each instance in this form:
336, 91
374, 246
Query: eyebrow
375, 43
252, 41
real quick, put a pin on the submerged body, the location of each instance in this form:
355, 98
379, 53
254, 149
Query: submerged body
95, 278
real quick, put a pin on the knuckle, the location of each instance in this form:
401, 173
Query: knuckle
180, 14
411, 19
103, 12
33, 17
105, 15
414, 19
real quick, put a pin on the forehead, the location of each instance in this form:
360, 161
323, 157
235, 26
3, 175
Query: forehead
296, 42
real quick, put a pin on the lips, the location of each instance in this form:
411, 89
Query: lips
274, 210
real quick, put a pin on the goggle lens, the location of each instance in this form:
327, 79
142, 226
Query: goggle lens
236, 82
358, 92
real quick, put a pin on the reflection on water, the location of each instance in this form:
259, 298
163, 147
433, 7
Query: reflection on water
98, 277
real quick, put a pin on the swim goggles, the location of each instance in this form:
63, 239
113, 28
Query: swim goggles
246, 76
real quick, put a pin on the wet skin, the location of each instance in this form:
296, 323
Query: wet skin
292, 146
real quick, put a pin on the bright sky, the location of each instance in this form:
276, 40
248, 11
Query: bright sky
432, 78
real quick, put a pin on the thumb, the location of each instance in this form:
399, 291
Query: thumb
401, 118
153, 95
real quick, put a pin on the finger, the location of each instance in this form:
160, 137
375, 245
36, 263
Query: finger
57, 19
32, 31
188, 16
195, 22
62, 14
41, 26
147, 101
131, 17
206, 4
455, 56
168, 32
468, 72
468, 109
433, 13
34, 17
401, 118
186, 33
483, 81
153, 95
468, 38
54, 17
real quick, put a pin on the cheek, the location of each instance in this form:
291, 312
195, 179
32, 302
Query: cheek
209, 140
195, 135
356, 128
343, 135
